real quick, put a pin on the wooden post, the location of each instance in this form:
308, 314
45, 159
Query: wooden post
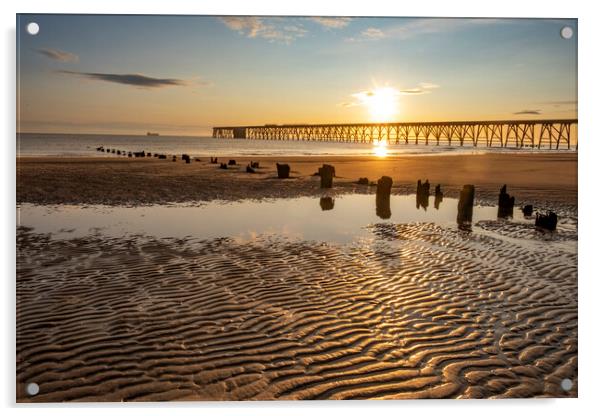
326, 173
465, 205
505, 206
546, 221
383, 197
326, 203
283, 170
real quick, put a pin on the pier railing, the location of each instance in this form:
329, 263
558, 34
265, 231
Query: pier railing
499, 133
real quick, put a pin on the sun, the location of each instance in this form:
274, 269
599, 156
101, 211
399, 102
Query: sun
381, 102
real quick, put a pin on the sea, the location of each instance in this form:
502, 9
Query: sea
82, 145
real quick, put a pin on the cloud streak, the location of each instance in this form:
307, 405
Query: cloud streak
419, 26
332, 22
272, 29
412, 91
137, 80
359, 98
58, 55
373, 33
530, 112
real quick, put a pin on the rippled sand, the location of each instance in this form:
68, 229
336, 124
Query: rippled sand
418, 311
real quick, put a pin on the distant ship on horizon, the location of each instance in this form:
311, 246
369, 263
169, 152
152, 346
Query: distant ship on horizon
150, 133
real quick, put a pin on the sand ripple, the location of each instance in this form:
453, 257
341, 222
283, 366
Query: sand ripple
418, 312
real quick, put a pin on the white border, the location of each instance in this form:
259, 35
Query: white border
590, 151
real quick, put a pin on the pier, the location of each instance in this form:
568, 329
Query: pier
552, 134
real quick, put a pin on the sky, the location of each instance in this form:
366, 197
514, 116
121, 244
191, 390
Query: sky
185, 74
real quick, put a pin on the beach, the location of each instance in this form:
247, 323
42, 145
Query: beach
401, 309
259, 207
122, 180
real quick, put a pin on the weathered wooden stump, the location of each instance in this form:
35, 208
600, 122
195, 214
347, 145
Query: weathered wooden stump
527, 210
426, 188
383, 208
284, 170
326, 174
250, 169
383, 197
465, 204
383, 187
546, 221
423, 191
438, 196
186, 158
363, 181
505, 206
326, 203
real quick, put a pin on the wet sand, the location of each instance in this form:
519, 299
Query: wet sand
418, 311
422, 312
122, 180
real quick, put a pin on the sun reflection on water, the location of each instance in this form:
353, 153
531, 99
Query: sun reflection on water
379, 148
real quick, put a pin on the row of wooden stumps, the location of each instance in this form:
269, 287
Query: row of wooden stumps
465, 203
186, 158
547, 221
124, 152
383, 195
326, 173
505, 209
423, 192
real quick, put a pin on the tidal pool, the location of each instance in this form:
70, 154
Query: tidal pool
339, 219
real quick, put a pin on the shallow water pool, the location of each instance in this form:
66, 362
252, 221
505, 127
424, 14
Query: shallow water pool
331, 219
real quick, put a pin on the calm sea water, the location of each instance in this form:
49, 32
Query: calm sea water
39, 144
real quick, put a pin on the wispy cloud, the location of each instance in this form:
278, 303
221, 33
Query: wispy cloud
428, 85
58, 55
390, 93
412, 91
419, 26
423, 88
137, 80
531, 112
273, 29
373, 33
332, 22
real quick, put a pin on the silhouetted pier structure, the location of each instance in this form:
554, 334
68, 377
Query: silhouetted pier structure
499, 133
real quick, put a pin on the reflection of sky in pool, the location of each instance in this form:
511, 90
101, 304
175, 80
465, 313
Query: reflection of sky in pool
305, 218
